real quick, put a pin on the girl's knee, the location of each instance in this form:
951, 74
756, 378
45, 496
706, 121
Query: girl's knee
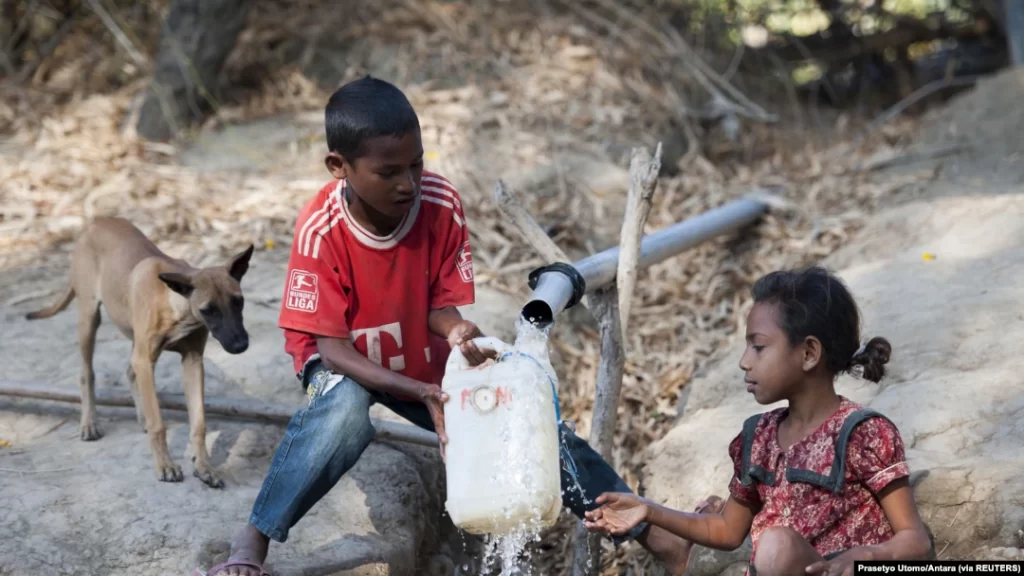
782, 551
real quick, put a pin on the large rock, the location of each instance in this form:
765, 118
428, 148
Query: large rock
954, 384
72, 507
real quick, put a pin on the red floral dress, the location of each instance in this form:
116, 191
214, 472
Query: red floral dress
831, 522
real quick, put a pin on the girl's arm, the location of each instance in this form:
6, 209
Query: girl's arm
620, 513
911, 540
724, 531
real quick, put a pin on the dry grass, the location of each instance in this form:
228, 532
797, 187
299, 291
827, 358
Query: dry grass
548, 84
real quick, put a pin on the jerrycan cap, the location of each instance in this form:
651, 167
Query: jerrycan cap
483, 398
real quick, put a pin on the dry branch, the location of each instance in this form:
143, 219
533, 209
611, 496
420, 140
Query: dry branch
604, 302
898, 108
108, 20
643, 181
534, 235
914, 156
611, 308
241, 408
44, 52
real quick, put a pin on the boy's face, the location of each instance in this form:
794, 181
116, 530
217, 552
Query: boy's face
387, 176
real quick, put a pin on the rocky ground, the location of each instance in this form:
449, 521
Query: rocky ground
938, 276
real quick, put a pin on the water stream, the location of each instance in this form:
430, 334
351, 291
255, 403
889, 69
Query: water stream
507, 554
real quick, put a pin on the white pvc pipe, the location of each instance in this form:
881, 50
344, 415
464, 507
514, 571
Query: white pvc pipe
554, 289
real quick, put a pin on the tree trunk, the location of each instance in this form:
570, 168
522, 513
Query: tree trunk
197, 37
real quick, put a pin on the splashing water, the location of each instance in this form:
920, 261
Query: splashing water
508, 551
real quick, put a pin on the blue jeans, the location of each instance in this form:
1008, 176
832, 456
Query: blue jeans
325, 439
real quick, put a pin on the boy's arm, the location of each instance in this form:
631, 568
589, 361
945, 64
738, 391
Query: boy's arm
449, 324
452, 272
444, 321
342, 358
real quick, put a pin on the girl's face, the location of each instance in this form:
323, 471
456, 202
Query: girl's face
774, 368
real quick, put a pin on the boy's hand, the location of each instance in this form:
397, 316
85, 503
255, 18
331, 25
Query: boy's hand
619, 513
435, 398
461, 335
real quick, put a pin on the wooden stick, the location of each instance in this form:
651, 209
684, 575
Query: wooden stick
611, 308
604, 302
643, 182
898, 108
240, 408
528, 228
913, 156
119, 35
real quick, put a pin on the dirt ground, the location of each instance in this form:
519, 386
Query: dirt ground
76, 508
70, 507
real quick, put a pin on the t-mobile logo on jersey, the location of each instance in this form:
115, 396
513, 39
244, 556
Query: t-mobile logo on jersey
373, 347
303, 291
465, 263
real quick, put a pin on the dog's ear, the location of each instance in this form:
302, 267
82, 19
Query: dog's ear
240, 264
180, 283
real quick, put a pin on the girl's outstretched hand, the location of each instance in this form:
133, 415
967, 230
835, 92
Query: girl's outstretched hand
619, 513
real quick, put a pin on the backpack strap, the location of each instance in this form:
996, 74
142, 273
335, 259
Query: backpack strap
750, 472
836, 478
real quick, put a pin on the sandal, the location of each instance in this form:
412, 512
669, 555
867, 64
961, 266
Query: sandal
229, 564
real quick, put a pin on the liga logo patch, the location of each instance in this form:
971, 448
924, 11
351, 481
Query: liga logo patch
303, 291
465, 263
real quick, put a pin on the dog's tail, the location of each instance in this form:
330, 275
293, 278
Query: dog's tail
59, 305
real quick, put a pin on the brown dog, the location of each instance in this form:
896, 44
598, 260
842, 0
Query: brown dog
159, 303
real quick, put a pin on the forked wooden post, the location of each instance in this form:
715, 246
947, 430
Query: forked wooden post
611, 306
605, 304
586, 557
643, 182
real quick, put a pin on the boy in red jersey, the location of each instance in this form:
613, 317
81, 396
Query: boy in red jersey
379, 265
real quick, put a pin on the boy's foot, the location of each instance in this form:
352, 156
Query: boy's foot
672, 551
248, 552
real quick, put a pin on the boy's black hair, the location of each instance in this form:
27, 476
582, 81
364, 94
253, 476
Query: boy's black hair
363, 109
813, 302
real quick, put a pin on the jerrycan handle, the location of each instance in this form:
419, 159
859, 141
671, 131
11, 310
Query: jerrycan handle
457, 361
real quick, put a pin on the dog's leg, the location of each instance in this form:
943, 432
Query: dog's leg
88, 324
144, 357
193, 376
133, 386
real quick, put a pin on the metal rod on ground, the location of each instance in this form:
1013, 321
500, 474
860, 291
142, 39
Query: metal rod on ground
241, 408
557, 287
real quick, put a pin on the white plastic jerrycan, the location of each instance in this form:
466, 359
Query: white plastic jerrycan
502, 455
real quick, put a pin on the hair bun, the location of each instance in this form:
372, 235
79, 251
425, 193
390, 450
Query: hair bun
874, 356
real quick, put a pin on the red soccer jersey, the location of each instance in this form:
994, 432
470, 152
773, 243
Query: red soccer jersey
377, 291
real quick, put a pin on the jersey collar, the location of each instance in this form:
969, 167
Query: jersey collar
364, 236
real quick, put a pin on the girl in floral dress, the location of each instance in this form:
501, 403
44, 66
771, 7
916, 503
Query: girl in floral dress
820, 483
